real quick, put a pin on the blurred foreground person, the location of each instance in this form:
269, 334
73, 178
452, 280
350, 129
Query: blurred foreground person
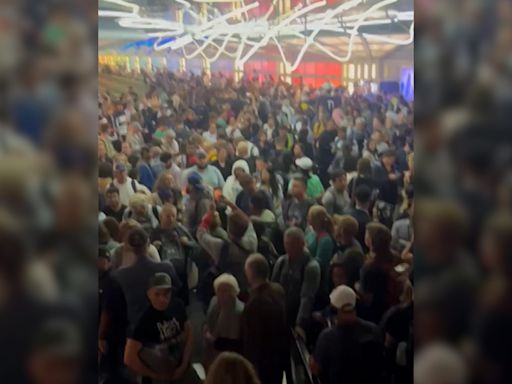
231, 368
265, 334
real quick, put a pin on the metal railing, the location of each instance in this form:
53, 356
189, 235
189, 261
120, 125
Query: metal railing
300, 372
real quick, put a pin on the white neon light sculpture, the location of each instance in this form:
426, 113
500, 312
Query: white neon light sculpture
251, 35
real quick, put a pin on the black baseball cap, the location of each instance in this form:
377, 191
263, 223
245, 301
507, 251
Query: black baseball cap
160, 280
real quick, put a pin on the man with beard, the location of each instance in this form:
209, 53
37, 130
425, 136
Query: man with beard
210, 175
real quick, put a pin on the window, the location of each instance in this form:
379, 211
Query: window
366, 74
374, 71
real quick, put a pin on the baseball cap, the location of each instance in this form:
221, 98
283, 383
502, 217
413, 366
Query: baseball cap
195, 180
344, 298
103, 253
120, 167
160, 280
304, 163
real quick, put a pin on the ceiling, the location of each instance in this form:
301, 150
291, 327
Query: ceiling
324, 31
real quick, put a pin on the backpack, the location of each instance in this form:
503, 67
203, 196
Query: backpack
205, 289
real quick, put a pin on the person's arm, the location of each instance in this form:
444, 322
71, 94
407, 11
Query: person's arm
308, 292
132, 361
324, 251
249, 240
328, 202
277, 270
211, 244
103, 328
145, 176
318, 356
220, 178
187, 352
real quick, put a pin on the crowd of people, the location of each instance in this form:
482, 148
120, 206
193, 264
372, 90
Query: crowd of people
286, 211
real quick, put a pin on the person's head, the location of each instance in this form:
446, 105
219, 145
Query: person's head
160, 291
257, 269
304, 164
164, 181
298, 188
138, 204
298, 150
242, 150
319, 219
262, 136
231, 368
259, 202
112, 198
104, 262
363, 195
195, 182
345, 229
222, 153
345, 268
237, 225
120, 172
212, 128
364, 167
202, 159
145, 154
247, 183
339, 180
168, 216
388, 157
126, 148
378, 239
294, 242
226, 289
119, 106
343, 298
138, 241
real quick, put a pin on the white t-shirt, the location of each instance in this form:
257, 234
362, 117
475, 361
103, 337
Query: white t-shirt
126, 189
211, 138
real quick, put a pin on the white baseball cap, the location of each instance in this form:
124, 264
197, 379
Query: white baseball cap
304, 163
343, 297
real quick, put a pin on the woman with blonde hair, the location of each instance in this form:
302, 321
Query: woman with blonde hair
231, 368
123, 256
222, 328
319, 240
